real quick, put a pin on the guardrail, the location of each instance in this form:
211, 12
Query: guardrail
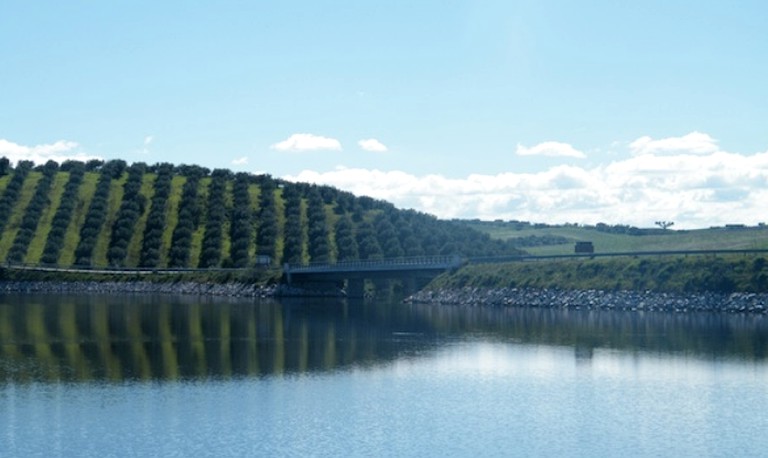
444, 262
531, 257
377, 264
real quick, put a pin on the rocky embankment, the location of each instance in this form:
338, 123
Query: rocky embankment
596, 300
146, 287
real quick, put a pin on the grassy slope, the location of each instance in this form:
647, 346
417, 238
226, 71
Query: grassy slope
37, 245
25, 196
171, 217
72, 236
197, 236
331, 218
116, 192
254, 192
673, 274
4, 182
137, 239
700, 239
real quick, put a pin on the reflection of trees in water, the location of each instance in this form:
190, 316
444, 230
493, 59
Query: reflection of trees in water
140, 337
49, 338
699, 334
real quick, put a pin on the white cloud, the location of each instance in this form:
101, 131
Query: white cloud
59, 151
148, 139
307, 142
373, 145
693, 143
553, 149
240, 161
694, 190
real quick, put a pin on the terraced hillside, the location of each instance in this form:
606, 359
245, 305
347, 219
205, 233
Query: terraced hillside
118, 215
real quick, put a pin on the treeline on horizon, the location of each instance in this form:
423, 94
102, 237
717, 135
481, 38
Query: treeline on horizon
112, 214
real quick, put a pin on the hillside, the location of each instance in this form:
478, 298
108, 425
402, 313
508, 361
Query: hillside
155, 216
541, 239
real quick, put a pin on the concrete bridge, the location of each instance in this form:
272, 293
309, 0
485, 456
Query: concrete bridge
412, 271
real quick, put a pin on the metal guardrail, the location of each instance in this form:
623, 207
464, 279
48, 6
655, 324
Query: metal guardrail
427, 262
499, 259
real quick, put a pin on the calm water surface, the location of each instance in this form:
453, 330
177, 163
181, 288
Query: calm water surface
166, 376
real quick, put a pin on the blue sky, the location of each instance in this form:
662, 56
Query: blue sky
551, 111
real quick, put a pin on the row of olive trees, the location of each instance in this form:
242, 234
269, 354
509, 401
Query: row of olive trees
156, 220
210, 255
131, 208
61, 219
188, 220
33, 213
241, 222
97, 212
13, 191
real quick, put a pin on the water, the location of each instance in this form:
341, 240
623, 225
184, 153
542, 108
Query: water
165, 376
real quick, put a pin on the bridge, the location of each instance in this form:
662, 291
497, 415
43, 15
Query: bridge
412, 271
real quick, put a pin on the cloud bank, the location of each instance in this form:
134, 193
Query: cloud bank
681, 179
59, 151
693, 143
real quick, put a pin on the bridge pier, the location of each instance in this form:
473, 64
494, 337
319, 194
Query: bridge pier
410, 286
411, 273
356, 287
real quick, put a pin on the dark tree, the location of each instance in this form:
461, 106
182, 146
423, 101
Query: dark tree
266, 233
319, 250
346, 245
367, 244
241, 228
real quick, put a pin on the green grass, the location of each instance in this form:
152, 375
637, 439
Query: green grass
72, 236
197, 236
254, 192
133, 254
700, 239
37, 245
4, 182
656, 273
171, 216
331, 218
25, 196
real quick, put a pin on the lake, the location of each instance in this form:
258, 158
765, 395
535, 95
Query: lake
142, 375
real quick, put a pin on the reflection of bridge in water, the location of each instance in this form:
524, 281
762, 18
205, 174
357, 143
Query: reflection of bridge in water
414, 272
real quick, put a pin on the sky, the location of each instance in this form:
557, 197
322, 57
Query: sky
544, 111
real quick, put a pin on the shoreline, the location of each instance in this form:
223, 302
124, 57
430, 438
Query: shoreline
624, 300
544, 298
233, 289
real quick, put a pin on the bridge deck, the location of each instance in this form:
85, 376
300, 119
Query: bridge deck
381, 265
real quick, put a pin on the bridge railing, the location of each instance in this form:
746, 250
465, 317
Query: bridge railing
367, 264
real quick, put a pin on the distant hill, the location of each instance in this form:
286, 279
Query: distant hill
111, 213
544, 239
